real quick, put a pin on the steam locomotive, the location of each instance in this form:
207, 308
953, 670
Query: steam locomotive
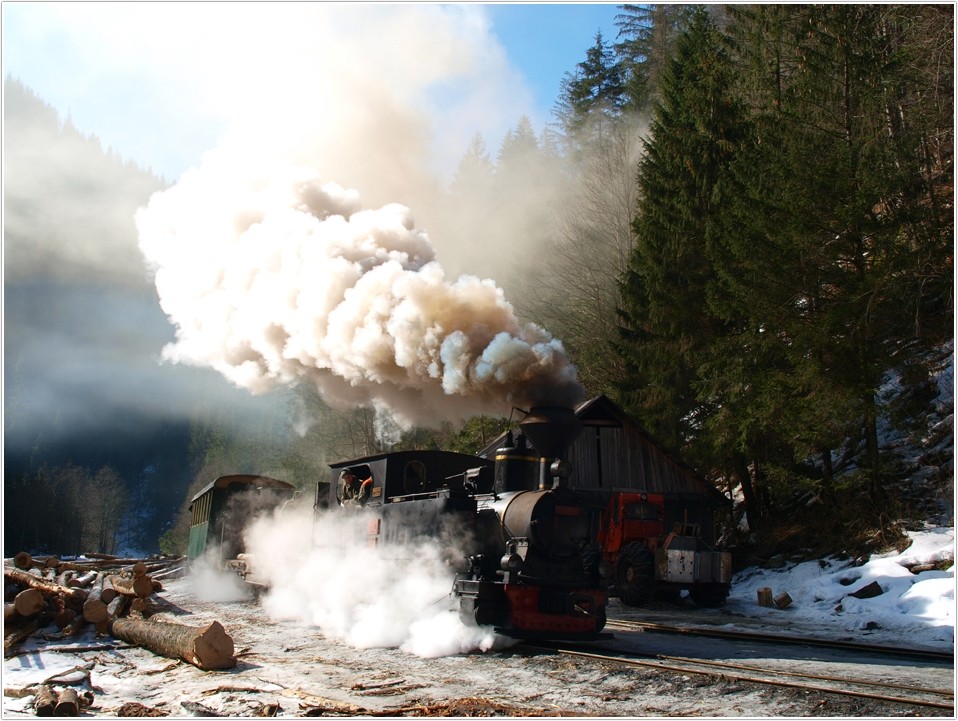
531, 566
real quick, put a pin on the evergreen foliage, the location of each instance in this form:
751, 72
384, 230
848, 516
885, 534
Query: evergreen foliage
647, 35
790, 249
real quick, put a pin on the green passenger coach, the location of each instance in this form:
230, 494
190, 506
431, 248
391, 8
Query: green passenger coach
220, 512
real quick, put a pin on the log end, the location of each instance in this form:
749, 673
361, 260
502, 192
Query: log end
213, 648
94, 610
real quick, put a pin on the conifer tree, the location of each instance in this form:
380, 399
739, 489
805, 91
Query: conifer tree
591, 98
823, 231
665, 317
647, 35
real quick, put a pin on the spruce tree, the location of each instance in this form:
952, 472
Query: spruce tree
647, 35
591, 98
665, 320
822, 235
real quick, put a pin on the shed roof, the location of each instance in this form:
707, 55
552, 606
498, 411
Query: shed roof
602, 410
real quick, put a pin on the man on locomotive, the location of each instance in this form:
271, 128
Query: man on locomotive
352, 490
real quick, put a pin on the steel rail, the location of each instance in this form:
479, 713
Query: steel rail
750, 679
783, 638
946, 693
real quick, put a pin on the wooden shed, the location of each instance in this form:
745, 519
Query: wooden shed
613, 453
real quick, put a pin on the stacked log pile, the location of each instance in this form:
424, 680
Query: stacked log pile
113, 595
103, 596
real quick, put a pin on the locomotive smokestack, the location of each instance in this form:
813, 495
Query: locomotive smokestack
551, 429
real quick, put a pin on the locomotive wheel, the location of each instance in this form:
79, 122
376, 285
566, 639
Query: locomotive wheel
635, 575
710, 595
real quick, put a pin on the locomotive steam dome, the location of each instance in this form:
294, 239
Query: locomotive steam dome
551, 429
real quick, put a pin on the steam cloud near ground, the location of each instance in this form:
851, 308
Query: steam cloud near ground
321, 572
277, 276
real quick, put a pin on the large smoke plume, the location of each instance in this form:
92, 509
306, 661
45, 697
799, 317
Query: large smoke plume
279, 276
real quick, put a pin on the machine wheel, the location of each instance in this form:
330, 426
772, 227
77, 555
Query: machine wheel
710, 595
635, 575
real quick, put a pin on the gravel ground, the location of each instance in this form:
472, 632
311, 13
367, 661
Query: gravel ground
289, 669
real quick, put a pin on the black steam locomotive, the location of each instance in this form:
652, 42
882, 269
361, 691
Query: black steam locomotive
529, 562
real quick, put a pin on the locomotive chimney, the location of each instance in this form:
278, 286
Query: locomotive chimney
551, 429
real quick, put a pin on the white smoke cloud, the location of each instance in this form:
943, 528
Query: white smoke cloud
273, 276
323, 573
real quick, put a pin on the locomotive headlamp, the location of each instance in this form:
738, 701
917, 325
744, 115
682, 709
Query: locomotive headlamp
560, 469
511, 562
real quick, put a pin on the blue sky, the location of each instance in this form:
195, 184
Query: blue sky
547, 40
137, 75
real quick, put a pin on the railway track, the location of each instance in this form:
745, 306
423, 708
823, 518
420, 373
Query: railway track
872, 690
699, 631
888, 692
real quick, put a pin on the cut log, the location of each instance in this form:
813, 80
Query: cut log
173, 571
29, 602
68, 703
765, 596
113, 611
143, 606
101, 556
141, 586
16, 635
207, 648
94, 608
73, 596
44, 702
84, 580
107, 592
783, 600
10, 615
23, 560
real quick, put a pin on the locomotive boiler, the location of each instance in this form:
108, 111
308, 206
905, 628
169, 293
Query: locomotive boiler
530, 562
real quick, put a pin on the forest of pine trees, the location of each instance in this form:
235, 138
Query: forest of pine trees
753, 232
792, 237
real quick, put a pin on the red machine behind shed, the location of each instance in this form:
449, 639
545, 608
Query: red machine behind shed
646, 561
